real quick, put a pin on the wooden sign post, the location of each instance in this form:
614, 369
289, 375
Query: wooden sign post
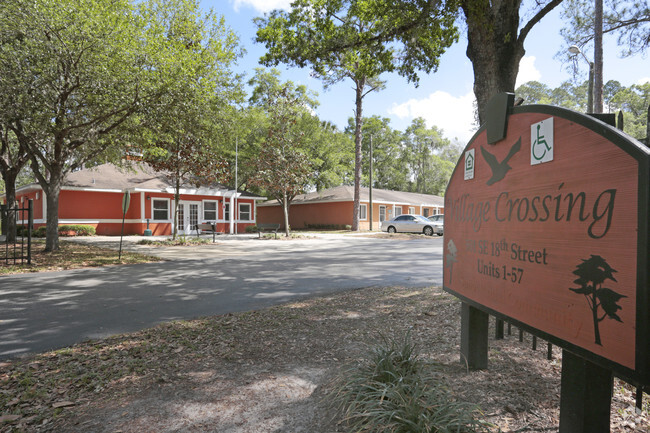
546, 226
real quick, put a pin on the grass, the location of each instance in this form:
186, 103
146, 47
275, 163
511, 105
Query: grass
72, 255
393, 391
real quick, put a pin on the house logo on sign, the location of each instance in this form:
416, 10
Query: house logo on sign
469, 164
541, 142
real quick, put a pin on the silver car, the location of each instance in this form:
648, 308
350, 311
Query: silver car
438, 222
408, 224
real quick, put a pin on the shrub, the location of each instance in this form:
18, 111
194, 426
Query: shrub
392, 390
39, 232
76, 230
251, 229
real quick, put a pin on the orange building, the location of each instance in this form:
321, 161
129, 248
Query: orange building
333, 207
93, 196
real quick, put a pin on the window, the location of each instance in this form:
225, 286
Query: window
209, 210
426, 211
382, 213
398, 210
160, 209
411, 210
244, 211
226, 211
363, 212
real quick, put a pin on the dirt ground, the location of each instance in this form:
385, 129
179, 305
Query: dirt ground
271, 371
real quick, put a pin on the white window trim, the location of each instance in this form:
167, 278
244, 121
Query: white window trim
412, 210
363, 214
250, 211
169, 208
216, 210
385, 213
395, 208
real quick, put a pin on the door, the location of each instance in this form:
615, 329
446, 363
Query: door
188, 217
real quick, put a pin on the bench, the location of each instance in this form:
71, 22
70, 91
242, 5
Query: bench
207, 228
268, 227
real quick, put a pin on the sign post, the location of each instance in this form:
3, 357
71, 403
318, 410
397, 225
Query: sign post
546, 226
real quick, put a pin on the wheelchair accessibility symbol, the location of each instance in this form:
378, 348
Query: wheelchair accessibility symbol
541, 142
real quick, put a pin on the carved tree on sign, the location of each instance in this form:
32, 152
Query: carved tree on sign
592, 273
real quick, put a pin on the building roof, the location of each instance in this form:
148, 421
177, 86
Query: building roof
137, 177
346, 193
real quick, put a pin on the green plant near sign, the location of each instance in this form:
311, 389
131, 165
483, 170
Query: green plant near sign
394, 391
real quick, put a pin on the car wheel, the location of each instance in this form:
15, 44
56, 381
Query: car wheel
391, 229
440, 234
428, 231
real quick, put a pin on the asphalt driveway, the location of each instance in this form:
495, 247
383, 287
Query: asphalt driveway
50, 310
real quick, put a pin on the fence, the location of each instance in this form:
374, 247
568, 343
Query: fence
17, 224
499, 334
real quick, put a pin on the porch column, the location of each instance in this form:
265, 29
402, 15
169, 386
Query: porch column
232, 214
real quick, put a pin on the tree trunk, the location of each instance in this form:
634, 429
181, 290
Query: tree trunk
598, 56
594, 311
177, 199
495, 45
493, 48
52, 190
358, 136
10, 194
285, 208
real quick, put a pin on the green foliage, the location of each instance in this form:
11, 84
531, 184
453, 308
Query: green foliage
76, 230
633, 101
392, 390
418, 160
338, 38
251, 229
629, 20
83, 78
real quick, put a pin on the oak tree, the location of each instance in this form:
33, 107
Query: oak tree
337, 40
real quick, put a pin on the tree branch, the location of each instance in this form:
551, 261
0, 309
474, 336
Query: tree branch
536, 19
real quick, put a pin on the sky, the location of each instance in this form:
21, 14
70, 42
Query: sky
444, 98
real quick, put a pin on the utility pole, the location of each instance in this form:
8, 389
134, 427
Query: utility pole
370, 190
598, 56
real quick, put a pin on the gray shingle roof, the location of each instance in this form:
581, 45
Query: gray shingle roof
139, 176
346, 193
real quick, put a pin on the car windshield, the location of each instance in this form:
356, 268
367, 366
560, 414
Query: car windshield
421, 218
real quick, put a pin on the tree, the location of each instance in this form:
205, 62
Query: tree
187, 136
587, 22
629, 20
79, 76
281, 168
592, 273
12, 160
495, 44
632, 101
387, 154
71, 80
334, 39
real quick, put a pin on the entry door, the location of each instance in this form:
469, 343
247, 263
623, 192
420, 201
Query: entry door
188, 217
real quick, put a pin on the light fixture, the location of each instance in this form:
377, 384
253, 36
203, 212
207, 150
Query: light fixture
575, 50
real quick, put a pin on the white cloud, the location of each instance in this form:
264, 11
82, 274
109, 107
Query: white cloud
261, 6
527, 71
643, 81
454, 115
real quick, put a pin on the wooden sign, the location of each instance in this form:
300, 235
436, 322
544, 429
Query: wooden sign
547, 226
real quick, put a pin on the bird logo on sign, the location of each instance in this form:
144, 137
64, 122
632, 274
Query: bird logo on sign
500, 169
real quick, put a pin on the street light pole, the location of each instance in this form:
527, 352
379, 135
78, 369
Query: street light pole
370, 190
574, 49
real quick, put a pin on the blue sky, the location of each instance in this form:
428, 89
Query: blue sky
444, 98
